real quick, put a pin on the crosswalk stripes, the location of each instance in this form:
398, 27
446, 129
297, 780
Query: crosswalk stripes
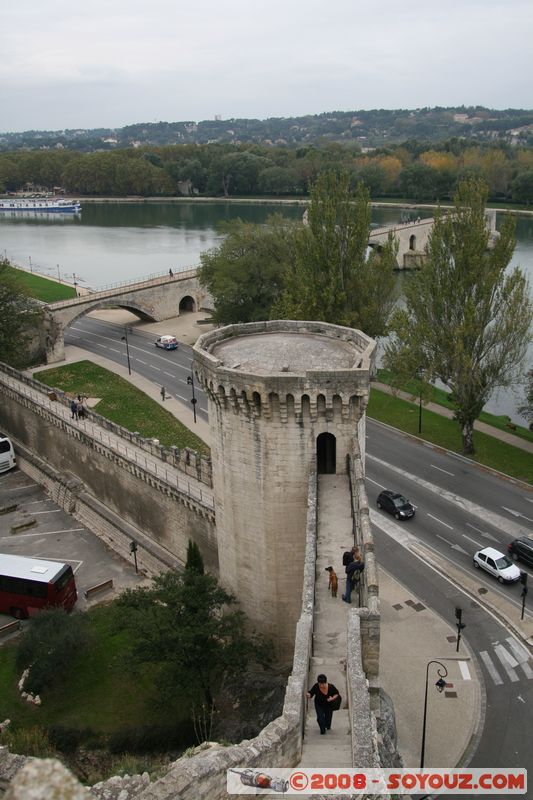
511, 657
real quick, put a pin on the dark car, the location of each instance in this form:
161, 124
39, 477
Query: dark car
395, 504
522, 550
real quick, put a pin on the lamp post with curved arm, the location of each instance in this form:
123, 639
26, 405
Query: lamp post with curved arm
440, 684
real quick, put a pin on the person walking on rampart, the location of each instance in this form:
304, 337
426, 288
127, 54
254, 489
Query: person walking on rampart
353, 574
325, 695
74, 408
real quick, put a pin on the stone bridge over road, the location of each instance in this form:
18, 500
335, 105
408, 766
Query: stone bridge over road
156, 299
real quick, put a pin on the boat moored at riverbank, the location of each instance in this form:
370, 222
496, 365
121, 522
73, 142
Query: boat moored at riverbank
39, 205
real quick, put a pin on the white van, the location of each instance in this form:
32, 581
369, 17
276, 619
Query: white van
7, 454
167, 342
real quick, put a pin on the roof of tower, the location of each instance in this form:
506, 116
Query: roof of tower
285, 347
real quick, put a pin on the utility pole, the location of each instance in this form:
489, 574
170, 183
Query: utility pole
460, 625
125, 339
190, 381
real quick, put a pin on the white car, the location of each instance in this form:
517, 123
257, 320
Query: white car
497, 564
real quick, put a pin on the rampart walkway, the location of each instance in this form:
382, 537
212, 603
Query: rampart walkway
334, 536
185, 484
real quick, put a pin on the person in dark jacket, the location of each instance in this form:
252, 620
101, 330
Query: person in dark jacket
353, 573
324, 693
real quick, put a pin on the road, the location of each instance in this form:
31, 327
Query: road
460, 508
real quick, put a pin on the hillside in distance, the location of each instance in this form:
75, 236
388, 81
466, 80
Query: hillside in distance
365, 129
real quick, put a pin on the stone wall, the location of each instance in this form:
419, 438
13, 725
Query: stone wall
188, 461
147, 505
370, 613
202, 776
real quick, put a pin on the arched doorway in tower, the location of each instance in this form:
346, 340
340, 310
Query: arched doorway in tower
326, 454
412, 242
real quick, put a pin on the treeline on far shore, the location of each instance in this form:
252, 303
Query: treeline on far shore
413, 170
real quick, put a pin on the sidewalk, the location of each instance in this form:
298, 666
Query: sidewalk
503, 436
412, 636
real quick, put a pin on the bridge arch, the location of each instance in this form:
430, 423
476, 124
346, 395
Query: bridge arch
140, 311
187, 304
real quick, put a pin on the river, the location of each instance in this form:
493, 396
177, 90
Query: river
110, 242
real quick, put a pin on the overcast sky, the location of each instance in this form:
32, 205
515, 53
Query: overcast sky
109, 63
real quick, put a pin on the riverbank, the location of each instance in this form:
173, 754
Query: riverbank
294, 201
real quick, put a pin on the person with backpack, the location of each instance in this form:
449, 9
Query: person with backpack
353, 573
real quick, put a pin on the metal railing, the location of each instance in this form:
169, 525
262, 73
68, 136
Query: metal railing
112, 441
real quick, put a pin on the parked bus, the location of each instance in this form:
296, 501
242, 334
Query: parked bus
29, 584
7, 454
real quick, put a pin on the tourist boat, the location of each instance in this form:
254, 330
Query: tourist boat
53, 205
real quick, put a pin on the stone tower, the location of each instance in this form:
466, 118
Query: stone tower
283, 397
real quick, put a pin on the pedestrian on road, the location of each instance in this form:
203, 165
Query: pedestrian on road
74, 409
325, 695
163, 393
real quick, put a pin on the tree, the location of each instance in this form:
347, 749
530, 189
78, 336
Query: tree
19, 314
522, 187
194, 562
467, 318
186, 629
49, 647
334, 279
526, 409
244, 274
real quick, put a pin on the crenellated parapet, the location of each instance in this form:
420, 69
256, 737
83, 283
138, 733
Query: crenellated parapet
305, 370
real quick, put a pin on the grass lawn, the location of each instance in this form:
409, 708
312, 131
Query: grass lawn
97, 692
43, 289
445, 433
122, 403
443, 399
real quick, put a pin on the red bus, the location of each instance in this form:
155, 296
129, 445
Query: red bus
28, 584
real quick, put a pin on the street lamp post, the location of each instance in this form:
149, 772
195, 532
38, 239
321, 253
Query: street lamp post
125, 339
190, 381
419, 373
440, 684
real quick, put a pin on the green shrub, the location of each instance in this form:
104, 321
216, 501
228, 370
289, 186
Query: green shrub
67, 740
152, 738
50, 644
31, 741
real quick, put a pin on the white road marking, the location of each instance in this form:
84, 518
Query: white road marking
375, 482
441, 522
472, 540
170, 374
444, 540
113, 350
485, 534
506, 661
55, 511
140, 362
527, 670
465, 672
24, 486
29, 535
156, 368
520, 653
443, 470
491, 669
516, 513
